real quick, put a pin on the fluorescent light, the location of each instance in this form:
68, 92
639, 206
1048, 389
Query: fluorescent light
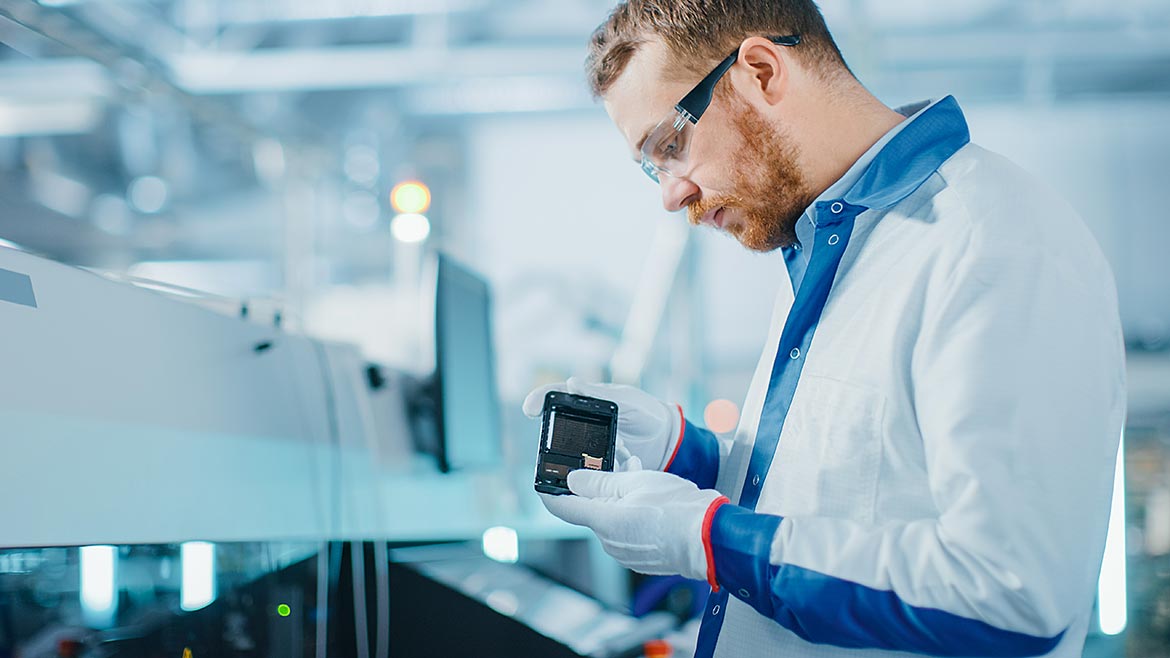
366, 67
98, 602
501, 544
410, 227
197, 563
48, 117
294, 10
501, 94
1111, 592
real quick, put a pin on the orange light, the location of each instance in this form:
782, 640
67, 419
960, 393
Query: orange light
721, 416
657, 649
410, 197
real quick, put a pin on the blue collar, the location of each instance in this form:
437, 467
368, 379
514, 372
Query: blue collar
912, 156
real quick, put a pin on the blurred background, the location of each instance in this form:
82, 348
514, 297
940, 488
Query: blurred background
311, 156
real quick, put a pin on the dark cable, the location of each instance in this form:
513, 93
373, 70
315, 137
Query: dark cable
357, 569
382, 571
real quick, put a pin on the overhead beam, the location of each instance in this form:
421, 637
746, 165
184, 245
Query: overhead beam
363, 67
61, 78
479, 68
368, 67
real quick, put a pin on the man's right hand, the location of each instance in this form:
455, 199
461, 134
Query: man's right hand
648, 429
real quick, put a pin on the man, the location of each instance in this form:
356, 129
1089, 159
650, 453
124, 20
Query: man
925, 459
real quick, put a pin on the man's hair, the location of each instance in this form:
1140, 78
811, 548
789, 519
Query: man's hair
699, 33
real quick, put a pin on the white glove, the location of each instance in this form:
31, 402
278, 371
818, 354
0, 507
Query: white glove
649, 521
648, 428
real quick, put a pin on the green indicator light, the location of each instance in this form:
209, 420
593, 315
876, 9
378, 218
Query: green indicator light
283, 610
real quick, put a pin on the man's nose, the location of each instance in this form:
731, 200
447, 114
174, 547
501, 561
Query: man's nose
678, 193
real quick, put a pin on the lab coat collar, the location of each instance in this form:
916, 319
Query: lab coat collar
922, 145
902, 160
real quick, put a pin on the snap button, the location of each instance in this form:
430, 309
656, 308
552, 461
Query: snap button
837, 207
756, 480
834, 239
795, 353
744, 594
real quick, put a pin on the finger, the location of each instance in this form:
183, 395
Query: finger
580, 386
621, 453
534, 403
600, 484
626, 460
574, 509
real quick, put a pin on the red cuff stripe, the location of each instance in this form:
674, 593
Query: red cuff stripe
682, 427
708, 519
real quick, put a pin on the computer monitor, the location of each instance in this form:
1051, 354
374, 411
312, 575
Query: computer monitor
466, 399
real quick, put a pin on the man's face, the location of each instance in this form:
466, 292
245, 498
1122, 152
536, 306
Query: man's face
742, 174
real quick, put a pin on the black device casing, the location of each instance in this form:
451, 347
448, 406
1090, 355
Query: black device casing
555, 459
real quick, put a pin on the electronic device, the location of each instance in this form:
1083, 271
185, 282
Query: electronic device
461, 427
576, 432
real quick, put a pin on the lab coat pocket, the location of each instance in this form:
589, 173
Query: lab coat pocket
834, 441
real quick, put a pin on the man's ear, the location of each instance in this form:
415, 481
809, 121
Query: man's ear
761, 72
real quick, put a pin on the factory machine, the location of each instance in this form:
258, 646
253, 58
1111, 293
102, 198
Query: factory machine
187, 481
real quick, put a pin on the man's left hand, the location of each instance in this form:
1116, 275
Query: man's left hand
649, 521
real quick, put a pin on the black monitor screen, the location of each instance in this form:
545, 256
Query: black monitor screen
469, 421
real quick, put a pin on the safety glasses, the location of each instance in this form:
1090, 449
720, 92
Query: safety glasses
664, 153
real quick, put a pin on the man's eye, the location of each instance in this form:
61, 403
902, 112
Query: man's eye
669, 147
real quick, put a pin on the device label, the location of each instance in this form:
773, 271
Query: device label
16, 288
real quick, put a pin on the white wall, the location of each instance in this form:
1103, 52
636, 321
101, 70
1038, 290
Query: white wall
1112, 161
559, 223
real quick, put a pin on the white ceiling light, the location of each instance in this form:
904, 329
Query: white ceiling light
410, 227
48, 117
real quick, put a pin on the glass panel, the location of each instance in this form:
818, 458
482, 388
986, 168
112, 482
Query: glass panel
197, 599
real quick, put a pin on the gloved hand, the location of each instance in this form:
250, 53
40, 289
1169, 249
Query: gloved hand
647, 427
649, 521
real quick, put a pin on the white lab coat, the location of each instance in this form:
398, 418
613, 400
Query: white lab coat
953, 434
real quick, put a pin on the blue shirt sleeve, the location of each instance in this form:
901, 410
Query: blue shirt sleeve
826, 610
696, 457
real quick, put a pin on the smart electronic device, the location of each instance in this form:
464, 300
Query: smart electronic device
577, 432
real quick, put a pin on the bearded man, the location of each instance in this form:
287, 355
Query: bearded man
925, 459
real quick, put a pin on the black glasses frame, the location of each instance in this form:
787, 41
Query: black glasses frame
695, 103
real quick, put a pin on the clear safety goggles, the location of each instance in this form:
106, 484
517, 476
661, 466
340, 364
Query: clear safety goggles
665, 150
